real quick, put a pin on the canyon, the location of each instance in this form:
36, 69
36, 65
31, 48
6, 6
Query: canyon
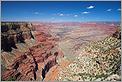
43, 51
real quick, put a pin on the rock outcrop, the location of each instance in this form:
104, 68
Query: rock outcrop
13, 33
26, 54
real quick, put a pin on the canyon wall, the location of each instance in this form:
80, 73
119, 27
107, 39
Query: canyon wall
26, 53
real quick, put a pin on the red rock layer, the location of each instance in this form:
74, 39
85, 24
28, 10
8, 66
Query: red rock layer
28, 65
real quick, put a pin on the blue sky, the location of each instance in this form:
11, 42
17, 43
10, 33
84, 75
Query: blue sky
77, 11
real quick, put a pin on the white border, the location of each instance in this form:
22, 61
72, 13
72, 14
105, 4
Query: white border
59, 0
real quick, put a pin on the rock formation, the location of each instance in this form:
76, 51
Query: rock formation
25, 52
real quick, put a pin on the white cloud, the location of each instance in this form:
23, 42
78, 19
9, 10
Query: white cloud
75, 15
109, 9
85, 12
61, 14
36, 13
90, 7
119, 9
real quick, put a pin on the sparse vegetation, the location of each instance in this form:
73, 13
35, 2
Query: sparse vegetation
98, 60
11, 78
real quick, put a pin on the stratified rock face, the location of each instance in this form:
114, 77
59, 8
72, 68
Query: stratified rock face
13, 33
26, 53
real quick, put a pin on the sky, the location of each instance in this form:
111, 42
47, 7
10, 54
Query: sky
60, 11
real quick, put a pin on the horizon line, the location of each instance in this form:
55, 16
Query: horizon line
55, 21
